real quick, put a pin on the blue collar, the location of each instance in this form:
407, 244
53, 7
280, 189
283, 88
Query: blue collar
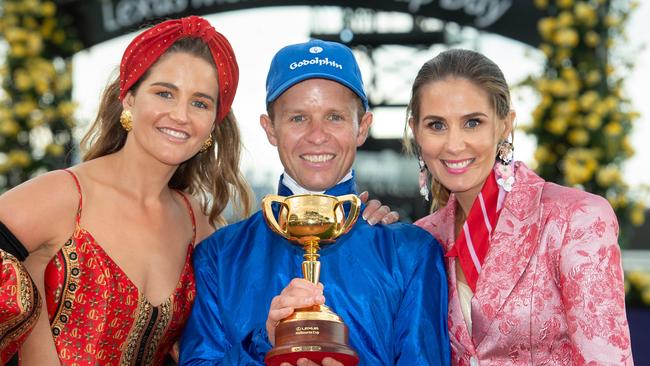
347, 187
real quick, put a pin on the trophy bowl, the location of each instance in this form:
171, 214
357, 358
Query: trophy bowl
314, 332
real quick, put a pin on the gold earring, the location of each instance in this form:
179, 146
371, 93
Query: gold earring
206, 144
126, 120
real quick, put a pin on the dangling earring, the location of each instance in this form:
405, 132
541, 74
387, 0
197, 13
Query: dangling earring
504, 152
423, 179
505, 175
126, 120
206, 144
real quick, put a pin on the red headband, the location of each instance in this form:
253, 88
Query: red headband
147, 48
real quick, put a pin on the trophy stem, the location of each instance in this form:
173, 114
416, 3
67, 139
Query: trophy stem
311, 265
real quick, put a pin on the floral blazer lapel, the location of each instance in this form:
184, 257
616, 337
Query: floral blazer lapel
513, 243
441, 225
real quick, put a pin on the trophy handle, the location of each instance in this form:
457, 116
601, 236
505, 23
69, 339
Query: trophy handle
267, 210
355, 204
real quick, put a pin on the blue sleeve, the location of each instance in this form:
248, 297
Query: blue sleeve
421, 323
204, 340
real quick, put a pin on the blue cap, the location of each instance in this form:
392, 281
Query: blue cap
313, 60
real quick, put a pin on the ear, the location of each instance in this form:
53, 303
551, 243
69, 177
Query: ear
364, 128
411, 123
269, 128
509, 122
128, 101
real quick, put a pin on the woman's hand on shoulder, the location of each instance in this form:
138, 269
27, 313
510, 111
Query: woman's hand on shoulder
41, 212
376, 212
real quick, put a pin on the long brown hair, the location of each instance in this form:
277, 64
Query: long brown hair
212, 176
457, 63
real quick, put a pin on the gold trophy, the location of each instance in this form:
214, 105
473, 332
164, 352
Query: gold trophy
314, 332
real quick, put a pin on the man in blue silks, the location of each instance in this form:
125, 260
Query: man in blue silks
387, 282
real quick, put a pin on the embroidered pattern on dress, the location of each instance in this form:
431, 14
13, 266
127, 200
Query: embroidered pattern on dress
70, 262
21, 306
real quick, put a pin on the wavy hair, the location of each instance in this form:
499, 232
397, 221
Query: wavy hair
212, 176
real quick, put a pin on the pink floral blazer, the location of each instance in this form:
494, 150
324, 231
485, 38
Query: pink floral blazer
551, 288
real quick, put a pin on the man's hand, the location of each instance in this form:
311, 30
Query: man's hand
300, 293
327, 361
376, 212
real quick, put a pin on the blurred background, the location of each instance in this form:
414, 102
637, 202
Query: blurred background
578, 71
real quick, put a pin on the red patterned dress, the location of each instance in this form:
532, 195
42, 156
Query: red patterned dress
19, 305
99, 317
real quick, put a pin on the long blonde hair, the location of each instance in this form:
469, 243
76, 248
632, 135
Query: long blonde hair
212, 176
459, 63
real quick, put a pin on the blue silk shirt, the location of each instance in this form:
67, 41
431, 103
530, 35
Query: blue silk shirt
387, 282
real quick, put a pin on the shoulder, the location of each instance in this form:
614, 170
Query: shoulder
407, 238
432, 223
202, 221
230, 235
575, 204
41, 210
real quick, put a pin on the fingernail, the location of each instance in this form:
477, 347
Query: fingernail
372, 222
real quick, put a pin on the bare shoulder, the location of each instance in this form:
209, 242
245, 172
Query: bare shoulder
41, 210
203, 226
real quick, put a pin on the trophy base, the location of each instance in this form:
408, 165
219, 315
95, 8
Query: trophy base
312, 333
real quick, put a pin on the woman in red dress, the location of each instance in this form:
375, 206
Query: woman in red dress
110, 240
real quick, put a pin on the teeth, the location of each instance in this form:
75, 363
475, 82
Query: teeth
318, 158
458, 165
174, 133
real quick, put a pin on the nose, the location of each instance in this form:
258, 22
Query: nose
455, 142
317, 132
180, 113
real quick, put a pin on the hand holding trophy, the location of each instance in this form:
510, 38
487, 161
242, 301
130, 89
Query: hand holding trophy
314, 332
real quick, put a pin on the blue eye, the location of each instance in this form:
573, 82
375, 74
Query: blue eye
200, 104
437, 125
472, 123
335, 117
164, 94
298, 118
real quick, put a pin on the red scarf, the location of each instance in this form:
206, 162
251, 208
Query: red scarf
471, 246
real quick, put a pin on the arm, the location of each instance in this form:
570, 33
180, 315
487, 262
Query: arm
39, 214
591, 285
204, 340
421, 336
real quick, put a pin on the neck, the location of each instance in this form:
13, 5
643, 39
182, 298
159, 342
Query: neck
143, 177
466, 199
296, 188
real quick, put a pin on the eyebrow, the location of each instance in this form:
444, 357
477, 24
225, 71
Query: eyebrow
469, 115
174, 87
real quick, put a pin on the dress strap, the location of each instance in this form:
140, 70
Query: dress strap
76, 182
189, 208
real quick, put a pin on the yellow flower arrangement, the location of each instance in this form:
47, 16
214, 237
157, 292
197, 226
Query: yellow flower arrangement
583, 119
37, 85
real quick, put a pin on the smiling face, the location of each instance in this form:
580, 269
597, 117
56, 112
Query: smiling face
316, 129
458, 132
174, 108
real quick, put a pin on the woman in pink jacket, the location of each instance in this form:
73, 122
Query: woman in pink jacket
534, 268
